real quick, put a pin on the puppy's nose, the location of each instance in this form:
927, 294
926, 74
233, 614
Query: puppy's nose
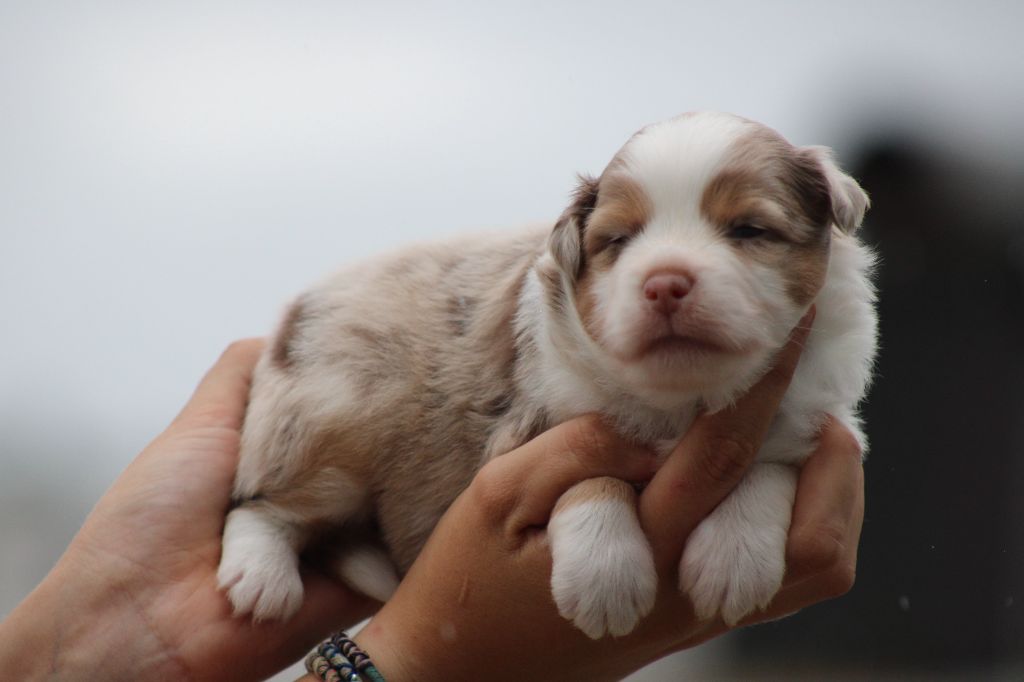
665, 290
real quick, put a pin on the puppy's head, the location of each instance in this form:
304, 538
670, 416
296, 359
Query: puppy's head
702, 244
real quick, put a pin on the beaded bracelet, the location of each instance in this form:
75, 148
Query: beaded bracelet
338, 659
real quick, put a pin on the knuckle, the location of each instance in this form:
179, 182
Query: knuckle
840, 580
491, 491
725, 457
818, 552
850, 445
839, 438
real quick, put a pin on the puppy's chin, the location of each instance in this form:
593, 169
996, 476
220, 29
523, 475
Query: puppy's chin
688, 367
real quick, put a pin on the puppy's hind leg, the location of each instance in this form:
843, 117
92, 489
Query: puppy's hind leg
287, 484
368, 569
263, 538
259, 565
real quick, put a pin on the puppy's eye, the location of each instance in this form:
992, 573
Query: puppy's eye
746, 232
616, 241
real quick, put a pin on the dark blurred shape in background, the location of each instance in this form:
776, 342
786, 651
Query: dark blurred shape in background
940, 581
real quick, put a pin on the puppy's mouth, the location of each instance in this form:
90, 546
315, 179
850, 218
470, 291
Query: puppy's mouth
674, 344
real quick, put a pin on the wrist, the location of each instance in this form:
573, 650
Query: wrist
69, 630
372, 640
394, 654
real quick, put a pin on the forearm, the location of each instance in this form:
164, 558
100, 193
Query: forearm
69, 630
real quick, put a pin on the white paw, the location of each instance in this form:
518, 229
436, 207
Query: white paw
731, 567
258, 567
603, 577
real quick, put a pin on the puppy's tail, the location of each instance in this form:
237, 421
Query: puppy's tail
367, 569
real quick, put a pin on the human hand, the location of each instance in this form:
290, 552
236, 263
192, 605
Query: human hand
477, 602
135, 594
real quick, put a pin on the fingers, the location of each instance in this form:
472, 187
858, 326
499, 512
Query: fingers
522, 487
714, 454
829, 509
821, 552
221, 396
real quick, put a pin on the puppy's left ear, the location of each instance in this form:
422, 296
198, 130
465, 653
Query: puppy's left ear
849, 201
566, 240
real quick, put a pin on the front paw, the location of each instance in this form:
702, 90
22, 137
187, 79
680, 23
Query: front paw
603, 577
731, 567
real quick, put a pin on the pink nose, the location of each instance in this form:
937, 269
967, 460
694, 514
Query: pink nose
665, 290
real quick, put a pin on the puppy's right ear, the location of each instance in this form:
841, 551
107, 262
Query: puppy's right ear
566, 240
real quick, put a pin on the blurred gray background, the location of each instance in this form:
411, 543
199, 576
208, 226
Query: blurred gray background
170, 173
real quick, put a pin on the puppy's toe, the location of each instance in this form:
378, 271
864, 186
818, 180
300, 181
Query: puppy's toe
268, 588
731, 570
603, 587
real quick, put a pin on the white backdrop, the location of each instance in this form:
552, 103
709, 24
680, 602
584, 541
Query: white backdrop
170, 173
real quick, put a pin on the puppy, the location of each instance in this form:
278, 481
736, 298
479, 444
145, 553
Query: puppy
664, 289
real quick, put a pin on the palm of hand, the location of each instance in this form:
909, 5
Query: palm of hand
158, 530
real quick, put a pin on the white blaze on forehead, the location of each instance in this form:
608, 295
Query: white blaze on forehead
674, 161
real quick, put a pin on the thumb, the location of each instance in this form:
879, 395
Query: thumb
221, 396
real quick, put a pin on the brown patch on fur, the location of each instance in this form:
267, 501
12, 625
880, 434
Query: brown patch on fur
596, 489
770, 184
619, 198
586, 302
805, 274
282, 352
623, 209
740, 195
807, 182
460, 312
